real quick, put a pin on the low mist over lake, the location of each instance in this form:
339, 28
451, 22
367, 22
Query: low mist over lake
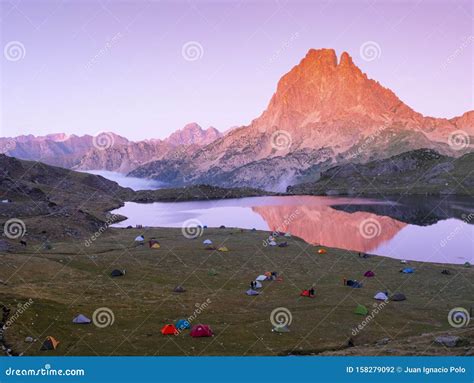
128, 182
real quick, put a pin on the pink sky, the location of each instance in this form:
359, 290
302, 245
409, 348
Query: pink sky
89, 66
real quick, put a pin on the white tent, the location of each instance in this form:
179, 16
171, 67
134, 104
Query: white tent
207, 242
140, 238
258, 285
381, 296
261, 278
272, 243
288, 234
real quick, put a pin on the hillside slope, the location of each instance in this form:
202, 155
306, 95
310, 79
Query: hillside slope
422, 171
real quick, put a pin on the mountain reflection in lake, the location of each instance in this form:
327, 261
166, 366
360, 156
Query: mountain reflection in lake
431, 230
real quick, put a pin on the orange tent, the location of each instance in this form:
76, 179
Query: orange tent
169, 329
322, 251
49, 344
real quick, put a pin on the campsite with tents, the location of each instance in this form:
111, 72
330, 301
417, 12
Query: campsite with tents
125, 296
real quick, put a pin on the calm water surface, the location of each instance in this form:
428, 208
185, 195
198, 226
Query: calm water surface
432, 230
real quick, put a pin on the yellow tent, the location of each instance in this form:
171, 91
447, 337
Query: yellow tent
155, 246
223, 249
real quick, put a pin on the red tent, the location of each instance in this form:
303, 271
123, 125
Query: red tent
369, 274
201, 330
306, 293
169, 329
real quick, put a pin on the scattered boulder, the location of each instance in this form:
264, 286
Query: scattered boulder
448, 340
382, 342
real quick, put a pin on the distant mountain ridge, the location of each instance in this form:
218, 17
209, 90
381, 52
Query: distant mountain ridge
107, 150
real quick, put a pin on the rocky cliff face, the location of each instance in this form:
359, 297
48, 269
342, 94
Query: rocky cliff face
324, 112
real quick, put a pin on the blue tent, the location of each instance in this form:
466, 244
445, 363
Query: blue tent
81, 319
183, 324
252, 292
408, 271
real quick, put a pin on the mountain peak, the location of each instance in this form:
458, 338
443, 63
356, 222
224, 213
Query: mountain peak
346, 60
322, 56
192, 133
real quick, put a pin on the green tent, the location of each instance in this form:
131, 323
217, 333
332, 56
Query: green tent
212, 273
361, 310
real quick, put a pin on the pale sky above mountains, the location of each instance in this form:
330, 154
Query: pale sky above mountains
144, 69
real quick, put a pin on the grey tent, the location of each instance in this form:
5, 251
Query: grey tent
179, 289
398, 297
252, 292
281, 329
